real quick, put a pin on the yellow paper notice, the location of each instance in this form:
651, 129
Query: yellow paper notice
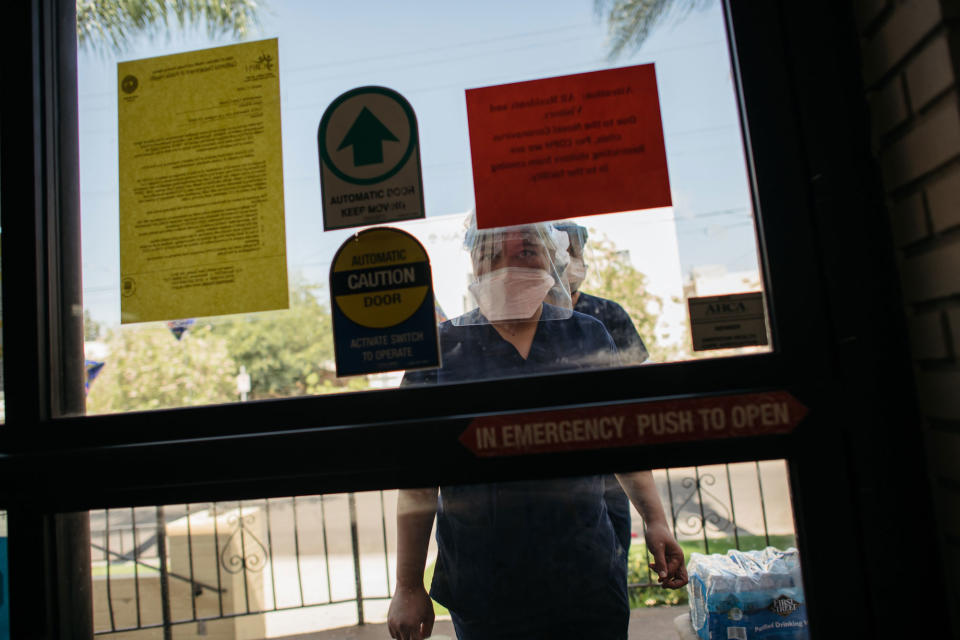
201, 184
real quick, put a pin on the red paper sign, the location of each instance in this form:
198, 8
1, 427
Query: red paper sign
628, 425
565, 147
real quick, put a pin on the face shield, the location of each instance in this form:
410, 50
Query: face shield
516, 272
576, 269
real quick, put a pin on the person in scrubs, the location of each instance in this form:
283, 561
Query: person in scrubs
617, 321
530, 559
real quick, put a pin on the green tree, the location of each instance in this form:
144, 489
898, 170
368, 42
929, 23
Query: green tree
629, 22
611, 275
109, 24
288, 352
148, 368
91, 328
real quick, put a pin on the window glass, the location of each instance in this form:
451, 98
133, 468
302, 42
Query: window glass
306, 564
649, 262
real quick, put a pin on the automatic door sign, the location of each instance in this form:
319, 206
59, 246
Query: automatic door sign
369, 159
384, 316
635, 424
724, 322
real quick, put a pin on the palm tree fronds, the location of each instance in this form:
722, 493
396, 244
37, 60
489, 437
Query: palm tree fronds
109, 24
630, 22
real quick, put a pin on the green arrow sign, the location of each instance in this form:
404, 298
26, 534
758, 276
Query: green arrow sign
366, 136
356, 136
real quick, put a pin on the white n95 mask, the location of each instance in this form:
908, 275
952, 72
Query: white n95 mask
511, 293
575, 273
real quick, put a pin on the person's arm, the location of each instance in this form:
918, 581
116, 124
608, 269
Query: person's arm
411, 611
667, 554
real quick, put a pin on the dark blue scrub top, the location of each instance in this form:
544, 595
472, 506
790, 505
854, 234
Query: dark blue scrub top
474, 350
521, 550
618, 323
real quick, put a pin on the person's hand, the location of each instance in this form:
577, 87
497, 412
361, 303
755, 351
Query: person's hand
411, 614
668, 561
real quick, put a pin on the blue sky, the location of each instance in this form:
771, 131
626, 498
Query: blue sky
431, 51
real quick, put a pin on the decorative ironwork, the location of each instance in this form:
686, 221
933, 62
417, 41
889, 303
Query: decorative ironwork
243, 550
704, 513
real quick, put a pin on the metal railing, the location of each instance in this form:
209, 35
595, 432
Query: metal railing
157, 567
702, 504
231, 560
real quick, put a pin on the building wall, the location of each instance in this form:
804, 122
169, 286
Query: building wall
910, 50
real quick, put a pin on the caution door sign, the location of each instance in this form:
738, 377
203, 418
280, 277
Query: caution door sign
383, 305
369, 159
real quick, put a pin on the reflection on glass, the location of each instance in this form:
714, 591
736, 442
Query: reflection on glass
648, 262
283, 566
